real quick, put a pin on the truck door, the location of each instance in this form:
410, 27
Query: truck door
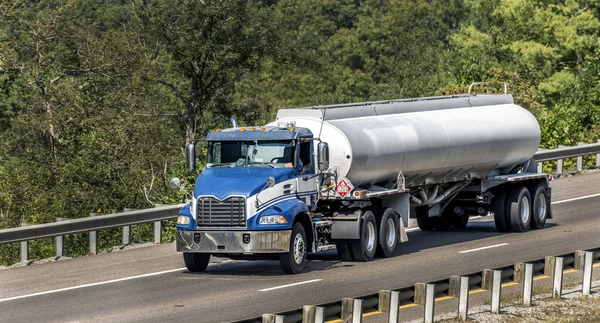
306, 181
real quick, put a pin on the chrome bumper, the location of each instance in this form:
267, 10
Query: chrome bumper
233, 241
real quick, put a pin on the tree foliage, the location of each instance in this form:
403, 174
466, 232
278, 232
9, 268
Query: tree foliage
99, 97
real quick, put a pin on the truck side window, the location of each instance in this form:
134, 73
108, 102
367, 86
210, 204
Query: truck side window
305, 157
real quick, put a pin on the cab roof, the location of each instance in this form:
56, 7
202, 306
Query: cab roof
269, 133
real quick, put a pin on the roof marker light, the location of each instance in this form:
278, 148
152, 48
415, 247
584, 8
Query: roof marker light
242, 129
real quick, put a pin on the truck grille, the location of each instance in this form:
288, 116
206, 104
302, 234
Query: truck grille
231, 212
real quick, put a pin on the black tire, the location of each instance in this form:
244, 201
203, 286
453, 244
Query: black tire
292, 262
423, 220
196, 262
459, 221
499, 210
518, 207
344, 250
364, 249
388, 240
540, 208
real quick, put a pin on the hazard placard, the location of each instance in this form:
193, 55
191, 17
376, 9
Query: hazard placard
343, 188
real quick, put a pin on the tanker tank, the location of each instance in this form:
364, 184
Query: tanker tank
427, 147
375, 108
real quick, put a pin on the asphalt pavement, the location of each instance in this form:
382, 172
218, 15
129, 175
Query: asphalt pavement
151, 284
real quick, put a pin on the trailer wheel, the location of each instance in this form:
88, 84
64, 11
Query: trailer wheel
423, 220
344, 250
519, 209
499, 209
540, 208
292, 262
364, 248
196, 262
389, 231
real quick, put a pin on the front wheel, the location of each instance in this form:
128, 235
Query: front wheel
292, 262
196, 262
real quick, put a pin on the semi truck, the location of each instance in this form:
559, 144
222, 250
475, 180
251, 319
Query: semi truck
349, 177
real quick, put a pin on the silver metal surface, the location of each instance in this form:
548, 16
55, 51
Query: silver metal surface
49, 230
390, 237
541, 206
525, 209
299, 248
230, 212
370, 236
429, 146
567, 152
233, 241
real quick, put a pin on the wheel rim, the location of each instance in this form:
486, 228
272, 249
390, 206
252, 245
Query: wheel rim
299, 249
390, 238
541, 207
370, 236
525, 209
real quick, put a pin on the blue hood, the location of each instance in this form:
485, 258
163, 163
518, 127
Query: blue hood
247, 181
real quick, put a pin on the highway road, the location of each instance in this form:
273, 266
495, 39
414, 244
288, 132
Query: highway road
151, 285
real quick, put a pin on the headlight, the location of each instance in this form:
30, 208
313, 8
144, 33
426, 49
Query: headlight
182, 219
272, 219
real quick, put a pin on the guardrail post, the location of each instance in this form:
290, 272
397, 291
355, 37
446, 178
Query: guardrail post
126, 239
527, 284
429, 311
554, 268
559, 163
580, 159
157, 232
351, 310
389, 304
459, 288
313, 314
272, 318
540, 167
94, 238
59, 242
584, 262
495, 278
24, 248
598, 157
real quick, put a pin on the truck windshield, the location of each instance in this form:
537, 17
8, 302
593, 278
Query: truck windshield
274, 154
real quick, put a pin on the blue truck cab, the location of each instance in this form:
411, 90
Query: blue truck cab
254, 199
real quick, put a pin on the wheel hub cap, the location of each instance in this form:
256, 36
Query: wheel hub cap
299, 249
391, 233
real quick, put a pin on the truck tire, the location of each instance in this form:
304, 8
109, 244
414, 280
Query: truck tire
518, 207
364, 248
389, 232
344, 250
423, 220
540, 208
459, 221
196, 262
499, 210
292, 262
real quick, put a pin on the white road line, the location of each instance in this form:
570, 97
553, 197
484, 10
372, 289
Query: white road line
290, 285
91, 285
103, 283
576, 198
483, 248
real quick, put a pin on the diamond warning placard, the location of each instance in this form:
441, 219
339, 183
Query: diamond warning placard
343, 188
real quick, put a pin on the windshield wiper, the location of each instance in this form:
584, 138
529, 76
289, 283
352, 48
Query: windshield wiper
262, 163
221, 164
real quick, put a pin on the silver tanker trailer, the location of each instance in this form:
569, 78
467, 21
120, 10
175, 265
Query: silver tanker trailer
350, 176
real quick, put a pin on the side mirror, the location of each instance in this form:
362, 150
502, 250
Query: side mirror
323, 156
190, 157
270, 181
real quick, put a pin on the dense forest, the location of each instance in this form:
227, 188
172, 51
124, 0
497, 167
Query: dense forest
99, 97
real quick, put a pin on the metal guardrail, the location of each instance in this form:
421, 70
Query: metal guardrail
391, 303
125, 219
